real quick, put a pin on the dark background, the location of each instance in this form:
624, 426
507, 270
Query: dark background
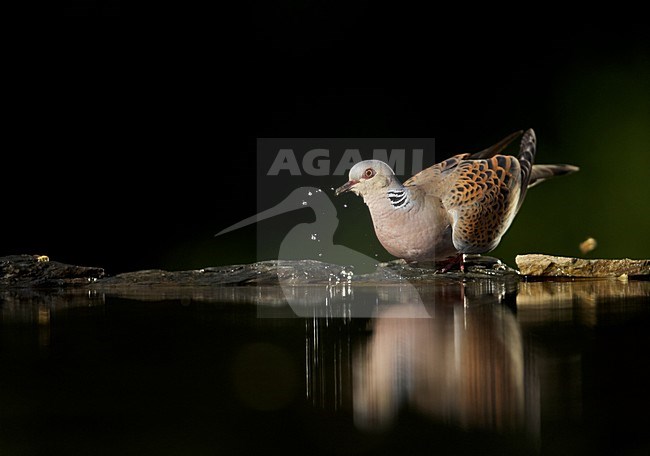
129, 146
91, 8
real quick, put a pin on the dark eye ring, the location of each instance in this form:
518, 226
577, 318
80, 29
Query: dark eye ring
368, 173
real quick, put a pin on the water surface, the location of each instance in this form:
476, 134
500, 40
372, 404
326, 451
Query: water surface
452, 367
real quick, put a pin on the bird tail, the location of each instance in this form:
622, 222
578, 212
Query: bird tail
540, 173
526, 157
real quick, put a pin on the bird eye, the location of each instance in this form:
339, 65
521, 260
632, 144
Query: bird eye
368, 173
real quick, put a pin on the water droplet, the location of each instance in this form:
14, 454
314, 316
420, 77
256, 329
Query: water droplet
345, 205
304, 203
309, 193
320, 254
313, 237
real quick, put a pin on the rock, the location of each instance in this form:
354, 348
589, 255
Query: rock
291, 272
538, 265
22, 271
33, 271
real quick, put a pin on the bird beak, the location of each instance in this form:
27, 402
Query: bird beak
346, 187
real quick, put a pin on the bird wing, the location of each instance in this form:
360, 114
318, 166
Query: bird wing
482, 198
498, 147
481, 192
431, 178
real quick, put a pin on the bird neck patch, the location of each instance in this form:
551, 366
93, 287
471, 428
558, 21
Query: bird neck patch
398, 198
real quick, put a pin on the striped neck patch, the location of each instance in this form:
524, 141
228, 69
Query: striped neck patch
398, 198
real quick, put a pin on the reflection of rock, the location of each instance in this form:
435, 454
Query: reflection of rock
465, 366
553, 266
25, 307
552, 294
311, 288
577, 300
28, 306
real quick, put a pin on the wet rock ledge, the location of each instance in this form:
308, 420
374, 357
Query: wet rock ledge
23, 271
33, 271
537, 265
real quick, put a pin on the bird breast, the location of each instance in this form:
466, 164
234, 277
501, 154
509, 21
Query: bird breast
409, 232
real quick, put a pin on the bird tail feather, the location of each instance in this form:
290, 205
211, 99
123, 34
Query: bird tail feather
540, 173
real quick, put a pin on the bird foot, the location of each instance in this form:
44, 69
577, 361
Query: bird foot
469, 262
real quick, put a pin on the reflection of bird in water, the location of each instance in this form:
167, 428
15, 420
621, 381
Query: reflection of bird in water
310, 240
465, 366
463, 205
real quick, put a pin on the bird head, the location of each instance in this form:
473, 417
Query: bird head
366, 176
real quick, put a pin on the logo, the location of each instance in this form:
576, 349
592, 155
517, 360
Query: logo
299, 218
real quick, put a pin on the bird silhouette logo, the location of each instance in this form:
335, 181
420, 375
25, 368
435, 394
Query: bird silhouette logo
307, 242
